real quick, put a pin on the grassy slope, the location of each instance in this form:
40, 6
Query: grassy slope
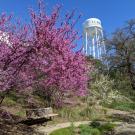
123, 106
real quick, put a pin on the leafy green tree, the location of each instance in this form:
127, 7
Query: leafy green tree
121, 52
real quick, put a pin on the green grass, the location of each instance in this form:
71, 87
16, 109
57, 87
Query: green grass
88, 130
71, 114
124, 106
21, 113
106, 127
93, 129
63, 131
96, 128
8, 101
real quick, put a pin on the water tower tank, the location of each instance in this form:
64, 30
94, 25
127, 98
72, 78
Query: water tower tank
92, 22
93, 38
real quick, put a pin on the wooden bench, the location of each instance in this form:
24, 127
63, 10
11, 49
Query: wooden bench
40, 113
38, 116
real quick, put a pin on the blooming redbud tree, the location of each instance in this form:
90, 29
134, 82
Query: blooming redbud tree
14, 55
42, 54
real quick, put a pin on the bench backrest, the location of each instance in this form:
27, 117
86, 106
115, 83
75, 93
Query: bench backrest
39, 112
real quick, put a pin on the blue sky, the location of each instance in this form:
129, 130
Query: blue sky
112, 13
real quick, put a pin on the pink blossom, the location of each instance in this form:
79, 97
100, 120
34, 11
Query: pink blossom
42, 54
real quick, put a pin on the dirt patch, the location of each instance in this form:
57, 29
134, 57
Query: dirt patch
9, 125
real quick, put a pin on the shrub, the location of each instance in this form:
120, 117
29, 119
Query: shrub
106, 127
87, 130
103, 89
95, 124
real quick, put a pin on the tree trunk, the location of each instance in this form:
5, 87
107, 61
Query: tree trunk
131, 75
132, 81
2, 98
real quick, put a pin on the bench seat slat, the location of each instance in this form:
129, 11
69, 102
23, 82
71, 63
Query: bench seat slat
46, 116
51, 115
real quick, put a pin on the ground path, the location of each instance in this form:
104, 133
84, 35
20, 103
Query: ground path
50, 128
124, 127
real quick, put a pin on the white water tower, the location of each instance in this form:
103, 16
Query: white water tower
93, 38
